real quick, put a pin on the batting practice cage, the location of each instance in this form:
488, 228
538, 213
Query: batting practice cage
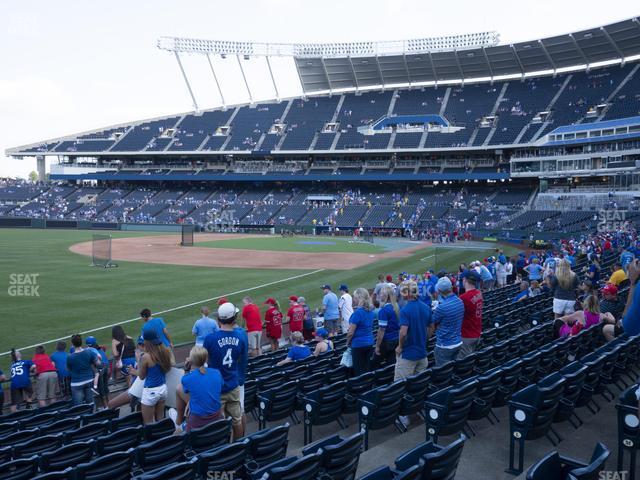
101, 251
187, 235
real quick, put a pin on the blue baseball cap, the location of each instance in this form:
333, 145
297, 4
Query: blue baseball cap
91, 341
151, 336
327, 286
471, 275
322, 332
344, 288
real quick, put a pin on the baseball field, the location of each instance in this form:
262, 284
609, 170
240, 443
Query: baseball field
50, 290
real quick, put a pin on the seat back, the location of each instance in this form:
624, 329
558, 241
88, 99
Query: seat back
302, 469
210, 436
160, 453
60, 426
311, 383
442, 465
37, 445
279, 402
131, 420
160, 429
8, 428
386, 405
100, 416
592, 471
18, 437
384, 375
114, 466
327, 403
441, 376
340, 460
412, 457
83, 409
548, 467
460, 401
250, 395
119, 441
336, 374
21, 469
88, 432
229, 458
463, 367
175, 471
268, 445
38, 420
67, 456
270, 381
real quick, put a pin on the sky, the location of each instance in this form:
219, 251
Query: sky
74, 65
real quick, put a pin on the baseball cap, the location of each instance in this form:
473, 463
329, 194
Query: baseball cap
227, 311
609, 289
270, 301
471, 275
222, 301
328, 287
344, 288
293, 298
140, 340
443, 284
389, 278
150, 335
91, 341
322, 332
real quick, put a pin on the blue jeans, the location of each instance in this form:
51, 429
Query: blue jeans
82, 394
444, 355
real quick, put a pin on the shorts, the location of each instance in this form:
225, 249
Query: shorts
331, 325
254, 340
469, 346
151, 396
46, 384
241, 389
231, 406
126, 362
405, 368
563, 307
19, 395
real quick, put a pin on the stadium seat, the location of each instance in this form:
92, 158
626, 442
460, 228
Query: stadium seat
66, 474
161, 452
18, 437
309, 384
340, 456
37, 445
509, 378
336, 374
9, 427
131, 420
210, 436
251, 398
38, 420
416, 391
59, 405
67, 456
441, 376
115, 466
88, 432
21, 469
291, 468
84, 409
5, 454
384, 376
575, 375
119, 441
488, 385
159, 429
531, 413
101, 415
628, 428
379, 408
61, 426
464, 367
268, 445
277, 404
229, 458
447, 411
355, 387
554, 466
323, 406
176, 471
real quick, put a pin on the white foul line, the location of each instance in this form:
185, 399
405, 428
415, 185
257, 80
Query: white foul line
175, 308
426, 258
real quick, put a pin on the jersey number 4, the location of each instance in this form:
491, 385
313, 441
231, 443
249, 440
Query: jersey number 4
227, 361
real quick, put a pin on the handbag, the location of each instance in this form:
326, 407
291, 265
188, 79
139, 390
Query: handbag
347, 358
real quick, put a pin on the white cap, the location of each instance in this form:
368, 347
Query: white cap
226, 311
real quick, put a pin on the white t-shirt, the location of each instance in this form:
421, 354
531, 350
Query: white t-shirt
346, 306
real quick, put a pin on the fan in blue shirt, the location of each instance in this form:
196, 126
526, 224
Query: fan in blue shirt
363, 334
20, 374
204, 391
415, 318
59, 358
156, 324
203, 326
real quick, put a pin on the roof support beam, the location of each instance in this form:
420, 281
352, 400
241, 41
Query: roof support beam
613, 44
355, 77
215, 77
326, 74
455, 54
581, 52
273, 80
380, 72
515, 54
406, 68
302, 84
486, 59
433, 69
549, 59
186, 80
244, 77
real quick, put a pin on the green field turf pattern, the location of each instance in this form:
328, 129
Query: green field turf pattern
295, 244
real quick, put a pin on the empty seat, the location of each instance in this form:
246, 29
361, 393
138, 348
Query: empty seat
119, 441
292, 468
488, 385
21, 469
114, 466
251, 398
66, 474
554, 466
5, 454
323, 406
416, 388
229, 458
131, 420
441, 376
37, 445
355, 387
67, 456
176, 471
38, 420
88, 432
160, 429
380, 408
18, 437
210, 436
384, 376
161, 452
269, 445
77, 410
277, 404
340, 456
628, 428
446, 411
442, 463
101, 415
60, 426
8, 427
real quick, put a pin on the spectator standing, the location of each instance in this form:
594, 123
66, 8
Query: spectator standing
154, 364
46, 377
447, 317
227, 351
308, 326
388, 327
630, 323
330, 310
273, 323
501, 274
157, 324
376, 291
203, 326
345, 304
123, 349
563, 283
59, 359
200, 389
81, 364
360, 335
297, 351
295, 314
472, 320
21, 389
253, 322
534, 270
509, 269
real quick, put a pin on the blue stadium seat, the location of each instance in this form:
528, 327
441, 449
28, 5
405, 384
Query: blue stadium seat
119, 441
115, 466
131, 420
8, 428
18, 437
340, 456
417, 387
229, 458
251, 398
291, 468
61, 426
488, 385
268, 445
210, 436
323, 406
84, 409
628, 428
176, 471
379, 408
100, 415
277, 404
37, 445
355, 387
21, 469
159, 429
554, 466
67, 456
447, 411
88, 432
38, 420
161, 452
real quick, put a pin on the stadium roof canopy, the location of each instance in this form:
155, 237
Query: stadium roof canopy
337, 66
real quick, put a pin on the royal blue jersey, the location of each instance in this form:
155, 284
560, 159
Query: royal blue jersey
20, 374
59, 358
226, 350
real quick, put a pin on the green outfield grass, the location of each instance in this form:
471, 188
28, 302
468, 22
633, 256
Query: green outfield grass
296, 244
74, 297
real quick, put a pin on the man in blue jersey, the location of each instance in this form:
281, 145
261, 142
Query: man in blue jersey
228, 350
447, 317
157, 324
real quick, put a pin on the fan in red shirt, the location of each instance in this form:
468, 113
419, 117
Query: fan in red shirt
295, 315
472, 320
273, 323
46, 377
253, 322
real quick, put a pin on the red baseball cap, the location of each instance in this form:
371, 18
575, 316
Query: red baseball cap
389, 278
609, 289
222, 300
293, 298
270, 301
